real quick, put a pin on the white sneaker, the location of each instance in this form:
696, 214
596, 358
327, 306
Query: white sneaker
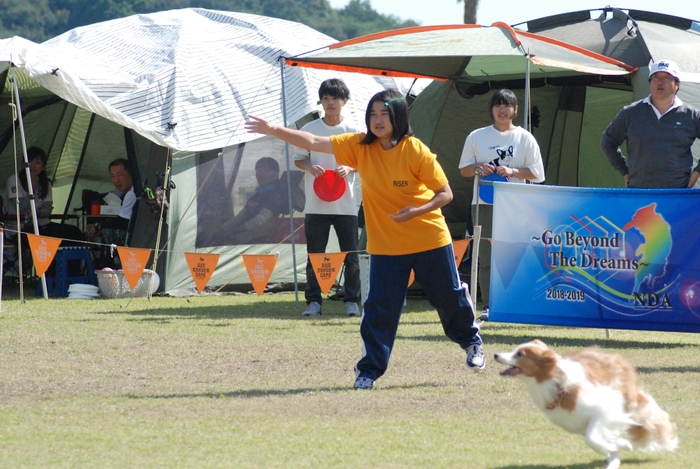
312, 309
475, 357
364, 383
351, 309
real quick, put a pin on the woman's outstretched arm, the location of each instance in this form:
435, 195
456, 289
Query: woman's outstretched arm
298, 138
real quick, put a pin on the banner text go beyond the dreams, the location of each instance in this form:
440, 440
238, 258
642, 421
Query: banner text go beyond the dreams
612, 258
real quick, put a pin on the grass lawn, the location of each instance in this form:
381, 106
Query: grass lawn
240, 381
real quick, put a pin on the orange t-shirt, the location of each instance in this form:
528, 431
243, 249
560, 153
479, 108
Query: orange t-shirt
403, 176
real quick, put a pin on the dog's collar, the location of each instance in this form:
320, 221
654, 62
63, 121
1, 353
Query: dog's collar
552, 405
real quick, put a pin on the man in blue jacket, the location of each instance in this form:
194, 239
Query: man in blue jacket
659, 130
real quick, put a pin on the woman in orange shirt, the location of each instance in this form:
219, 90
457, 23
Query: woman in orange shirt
404, 188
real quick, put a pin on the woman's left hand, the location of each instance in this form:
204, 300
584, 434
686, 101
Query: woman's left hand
505, 171
405, 214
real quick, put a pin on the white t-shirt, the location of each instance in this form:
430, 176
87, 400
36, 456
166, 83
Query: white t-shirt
14, 190
349, 202
128, 204
515, 148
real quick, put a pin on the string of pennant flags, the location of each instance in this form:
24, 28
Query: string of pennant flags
326, 266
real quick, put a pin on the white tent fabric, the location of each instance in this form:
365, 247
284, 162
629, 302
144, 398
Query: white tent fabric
184, 79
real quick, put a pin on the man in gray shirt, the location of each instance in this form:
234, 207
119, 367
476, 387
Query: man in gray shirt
659, 130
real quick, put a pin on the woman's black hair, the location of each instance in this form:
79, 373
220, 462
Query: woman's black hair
504, 96
43, 189
398, 116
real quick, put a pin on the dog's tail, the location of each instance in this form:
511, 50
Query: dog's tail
654, 431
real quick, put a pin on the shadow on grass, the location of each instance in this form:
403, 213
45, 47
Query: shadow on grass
251, 393
159, 320
283, 310
256, 309
612, 343
669, 369
513, 340
270, 307
590, 465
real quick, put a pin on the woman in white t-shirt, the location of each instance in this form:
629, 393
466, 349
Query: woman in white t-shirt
17, 199
503, 149
16, 189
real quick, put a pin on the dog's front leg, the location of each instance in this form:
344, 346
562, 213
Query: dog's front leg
613, 460
596, 440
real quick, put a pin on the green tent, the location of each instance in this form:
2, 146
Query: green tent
571, 91
568, 114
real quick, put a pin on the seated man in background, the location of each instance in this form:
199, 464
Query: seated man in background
113, 230
254, 222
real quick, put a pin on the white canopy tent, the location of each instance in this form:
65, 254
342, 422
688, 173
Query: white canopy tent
169, 88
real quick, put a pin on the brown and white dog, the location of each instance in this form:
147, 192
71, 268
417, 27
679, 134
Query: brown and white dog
593, 394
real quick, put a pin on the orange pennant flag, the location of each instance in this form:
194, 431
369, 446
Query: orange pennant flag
44, 249
259, 267
201, 267
411, 278
326, 267
460, 247
133, 262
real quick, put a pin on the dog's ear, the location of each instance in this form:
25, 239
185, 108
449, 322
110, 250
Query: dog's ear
539, 343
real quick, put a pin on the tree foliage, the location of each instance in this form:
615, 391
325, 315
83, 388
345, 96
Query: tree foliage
40, 20
358, 18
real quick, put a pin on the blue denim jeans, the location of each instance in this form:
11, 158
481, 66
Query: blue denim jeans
436, 272
318, 228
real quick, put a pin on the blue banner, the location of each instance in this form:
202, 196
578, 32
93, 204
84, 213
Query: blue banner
609, 258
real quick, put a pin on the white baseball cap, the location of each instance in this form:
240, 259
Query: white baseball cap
665, 66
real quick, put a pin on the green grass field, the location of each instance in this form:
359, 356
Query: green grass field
241, 381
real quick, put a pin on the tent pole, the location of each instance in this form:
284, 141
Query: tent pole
79, 167
30, 189
157, 249
476, 240
526, 113
60, 155
14, 159
289, 185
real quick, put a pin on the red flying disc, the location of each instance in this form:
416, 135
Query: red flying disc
329, 187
